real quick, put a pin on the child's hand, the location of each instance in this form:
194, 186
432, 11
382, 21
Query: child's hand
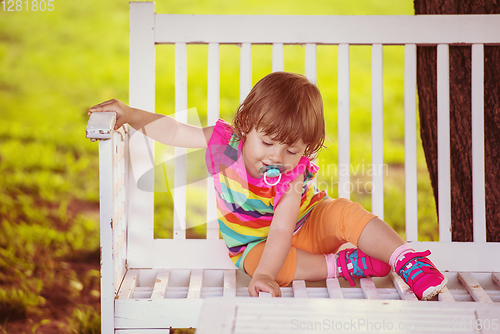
262, 282
121, 109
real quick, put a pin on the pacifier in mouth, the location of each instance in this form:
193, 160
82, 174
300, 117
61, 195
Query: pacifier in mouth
272, 171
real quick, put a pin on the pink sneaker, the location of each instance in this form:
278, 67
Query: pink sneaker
420, 274
353, 263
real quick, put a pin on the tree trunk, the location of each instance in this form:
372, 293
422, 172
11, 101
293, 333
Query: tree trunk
460, 119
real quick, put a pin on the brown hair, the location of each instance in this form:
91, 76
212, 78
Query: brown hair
285, 106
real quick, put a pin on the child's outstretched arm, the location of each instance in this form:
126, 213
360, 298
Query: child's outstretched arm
279, 241
161, 128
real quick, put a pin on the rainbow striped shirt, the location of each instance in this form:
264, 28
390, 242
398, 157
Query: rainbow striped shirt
245, 205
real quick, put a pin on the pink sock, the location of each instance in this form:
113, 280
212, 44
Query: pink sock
331, 265
400, 251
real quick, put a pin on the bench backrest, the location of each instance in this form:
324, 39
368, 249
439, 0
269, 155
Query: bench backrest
137, 245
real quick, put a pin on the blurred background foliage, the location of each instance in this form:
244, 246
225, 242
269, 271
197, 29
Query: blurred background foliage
55, 65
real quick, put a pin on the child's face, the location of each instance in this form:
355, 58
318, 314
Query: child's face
260, 150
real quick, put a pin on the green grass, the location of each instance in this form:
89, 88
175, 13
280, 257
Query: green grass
54, 65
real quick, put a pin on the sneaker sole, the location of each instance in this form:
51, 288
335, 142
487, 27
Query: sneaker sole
434, 290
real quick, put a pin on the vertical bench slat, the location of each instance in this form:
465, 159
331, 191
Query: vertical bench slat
299, 289
478, 182
474, 288
310, 72
142, 95
443, 120
410, 93
344, 121
310, 63
161, 284
180, 152
445, 295
403, 289
333, 287
245, 70
195, 284
368, 288
229, 283
278, 57
377, 131
129, 284
212, 116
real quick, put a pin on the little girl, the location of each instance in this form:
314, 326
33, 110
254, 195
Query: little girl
276, 224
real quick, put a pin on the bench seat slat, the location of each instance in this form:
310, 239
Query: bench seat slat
195, 284
129, 284
474, 288
161, 284
230, 283
369, 289
333, 287
445, 295
299, 289
403, 289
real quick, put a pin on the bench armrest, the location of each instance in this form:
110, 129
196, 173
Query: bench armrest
100, 125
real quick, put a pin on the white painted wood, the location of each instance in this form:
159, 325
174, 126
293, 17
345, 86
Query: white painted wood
245, 70
129, 284
465, 255
474, 288
230, 283
410, 93
496, 278
443, 118
217, 318
369, 289
158, 313
142, 95
196, 254
319, 29
180, 178
487, 321
212, 254
263, 294
310, 63
212, 116
278, 57
280, 315
445, 295
195, 284
333, 287
161, 284
142, 331
478, 182
106, 233
377, 131
147, 311
344, 121
299, 289
403, 289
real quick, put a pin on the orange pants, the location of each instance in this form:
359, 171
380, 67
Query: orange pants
332, 222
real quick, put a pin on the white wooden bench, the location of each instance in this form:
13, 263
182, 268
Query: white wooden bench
149, 285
